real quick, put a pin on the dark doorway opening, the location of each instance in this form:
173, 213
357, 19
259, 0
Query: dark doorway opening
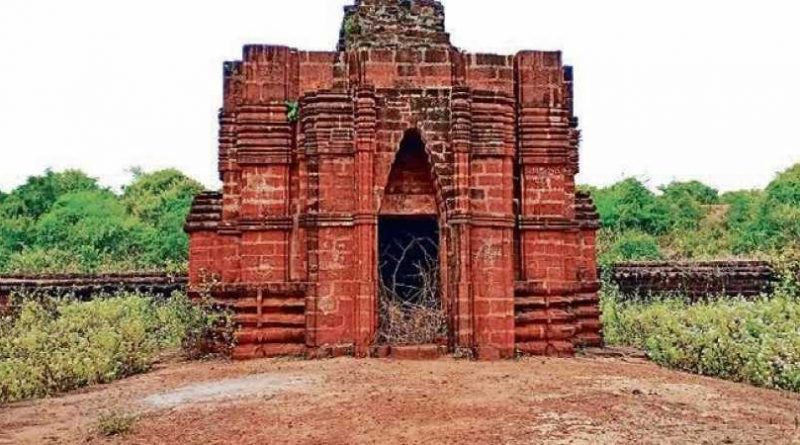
411, 310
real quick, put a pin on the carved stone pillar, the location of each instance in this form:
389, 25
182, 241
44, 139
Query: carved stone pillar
366, 302
459, 222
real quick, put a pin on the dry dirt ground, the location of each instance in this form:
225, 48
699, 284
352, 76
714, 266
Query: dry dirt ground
346, 401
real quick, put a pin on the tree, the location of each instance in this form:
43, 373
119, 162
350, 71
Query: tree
162, 199
742, 207
94, 227
628, 204
66, 222
14, 236
778, 219
632, 245
785, 189
767, 221
687, 202
695, 190
39, 193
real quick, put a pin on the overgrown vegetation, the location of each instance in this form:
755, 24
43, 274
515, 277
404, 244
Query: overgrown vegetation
690, 220
352, 28
752, 341
115, 423
66, 222
51, 345
292, 111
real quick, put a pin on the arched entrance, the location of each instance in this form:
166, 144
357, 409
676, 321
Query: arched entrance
410, 306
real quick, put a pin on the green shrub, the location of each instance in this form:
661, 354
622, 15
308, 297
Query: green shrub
115, 423
693, 190
34, 198
162, 200
94, 227
628, 204
756, 341
686, 203
49, 346
65, 222
785, 189
627, 246
691, 220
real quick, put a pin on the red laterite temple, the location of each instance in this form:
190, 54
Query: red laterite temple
322, 153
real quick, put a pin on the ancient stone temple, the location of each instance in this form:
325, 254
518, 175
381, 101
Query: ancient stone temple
326, 155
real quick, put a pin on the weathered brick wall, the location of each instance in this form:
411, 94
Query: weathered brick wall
694, 280
86, 287
301, 200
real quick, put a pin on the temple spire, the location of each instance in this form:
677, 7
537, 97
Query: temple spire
393, 24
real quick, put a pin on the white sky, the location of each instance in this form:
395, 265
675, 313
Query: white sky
677, 89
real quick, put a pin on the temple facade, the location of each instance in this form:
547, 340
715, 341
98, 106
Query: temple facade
324, 154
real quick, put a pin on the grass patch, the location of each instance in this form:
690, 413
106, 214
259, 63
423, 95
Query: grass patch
48, 346
755, 341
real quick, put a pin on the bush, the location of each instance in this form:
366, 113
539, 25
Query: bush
49, 346
756, 342
115, 423
627, 246
34, 198
628, 204
692, 220
693, 190
65, 222
785, 189
686, 209
42, 261
94, 227
162, 200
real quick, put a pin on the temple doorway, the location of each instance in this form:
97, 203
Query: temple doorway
410, 303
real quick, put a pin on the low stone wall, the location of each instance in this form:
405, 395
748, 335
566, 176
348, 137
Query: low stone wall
86, 287
695, 280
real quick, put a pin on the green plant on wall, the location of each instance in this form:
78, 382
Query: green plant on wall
352, 28
292, 111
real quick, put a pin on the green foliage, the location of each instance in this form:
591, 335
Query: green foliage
39, 193
95, 228
742, 206
685, 203
785, 189
757, 342
115, 423
149, 193
43, 261
14, 236
766, 221
292, 111
352, 27
162, 200
631, 245
628, 204
694, 190
690, 220
64, 222
49, 346
710, 240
